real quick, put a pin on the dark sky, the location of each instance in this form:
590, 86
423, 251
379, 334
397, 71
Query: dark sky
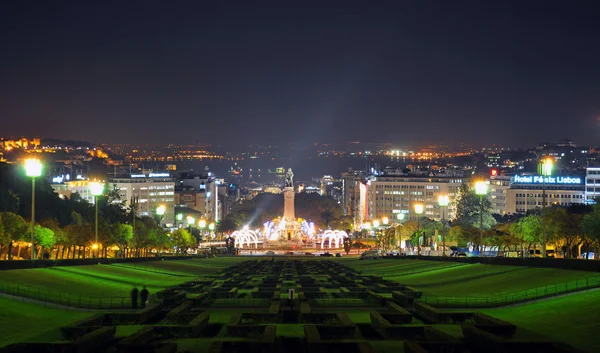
485, 72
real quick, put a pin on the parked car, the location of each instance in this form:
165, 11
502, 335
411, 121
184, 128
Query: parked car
338, 255
309, 254
370, 255
327, 254
270, 253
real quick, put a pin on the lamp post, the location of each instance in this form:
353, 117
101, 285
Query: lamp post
211, 227
96, 189
33, 169
160, 212
418, 211
202, 225
190, 222
443, 202
545, 169
481, 189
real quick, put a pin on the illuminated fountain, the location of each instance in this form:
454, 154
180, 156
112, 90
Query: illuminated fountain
245, 238
335, 238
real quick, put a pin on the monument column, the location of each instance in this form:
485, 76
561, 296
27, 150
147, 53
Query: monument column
288, 204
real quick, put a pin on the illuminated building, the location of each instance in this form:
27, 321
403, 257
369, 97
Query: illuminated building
389, 195
592, 183
65, 190
150, 190
525, 192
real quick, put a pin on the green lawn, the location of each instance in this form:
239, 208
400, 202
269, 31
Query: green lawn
22, 322
386, 267
487, 280
91, 281
572, 319
196, 267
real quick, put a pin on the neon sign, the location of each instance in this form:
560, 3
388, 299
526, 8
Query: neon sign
551, 180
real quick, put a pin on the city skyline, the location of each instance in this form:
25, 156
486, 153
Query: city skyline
408, 73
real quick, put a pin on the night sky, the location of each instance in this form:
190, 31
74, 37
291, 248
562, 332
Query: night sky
512, 73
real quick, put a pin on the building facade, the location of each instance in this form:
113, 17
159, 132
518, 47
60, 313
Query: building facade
389, 196
149, 191
592, 183
526, 192
499, 186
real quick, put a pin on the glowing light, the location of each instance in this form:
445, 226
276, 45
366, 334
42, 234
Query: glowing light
96, 188
385, 221
160, 210
367, 225
202, 224
481, 187
33, 168
418, 208
375, 223
443, 200
180, 217
546, 166
211, 226
190, 220
400, 216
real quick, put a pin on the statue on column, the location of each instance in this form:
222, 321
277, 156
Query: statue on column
289, 178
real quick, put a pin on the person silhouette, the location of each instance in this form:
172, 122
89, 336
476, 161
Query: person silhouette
144, 296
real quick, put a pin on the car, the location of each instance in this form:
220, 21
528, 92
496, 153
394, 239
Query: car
460, 254
326, 254
370, 255
289, 253
309, 254
270, 253
338, 255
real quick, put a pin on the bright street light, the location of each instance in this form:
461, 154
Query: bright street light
375, 223
367, 225
545, 169
385, 221
160, 210
443, 201
418, 210
481, 189
96, 189
33, 169
400, 216
190, 220
211, 226
202, 224
180, 216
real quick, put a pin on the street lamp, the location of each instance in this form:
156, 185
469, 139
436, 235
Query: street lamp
211, 227
481, 189
418, 211
385, 221
202, 225
400, 217
96, 189
33, 169
443, 201
545, 169
160, 212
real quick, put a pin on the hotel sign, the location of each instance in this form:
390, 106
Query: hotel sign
549, 180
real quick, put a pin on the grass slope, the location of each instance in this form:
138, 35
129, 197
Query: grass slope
572, 319
22, 322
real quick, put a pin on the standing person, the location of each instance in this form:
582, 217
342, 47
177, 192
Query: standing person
134, 297
144, 296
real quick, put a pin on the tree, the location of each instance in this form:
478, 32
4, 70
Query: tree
123, 236
182, 240
590, 225
44, 237
226, 225
468, 208
14, 229
564, 226
529, 230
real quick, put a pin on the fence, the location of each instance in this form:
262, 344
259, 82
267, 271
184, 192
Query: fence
526, 295
67, 299
412, 271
